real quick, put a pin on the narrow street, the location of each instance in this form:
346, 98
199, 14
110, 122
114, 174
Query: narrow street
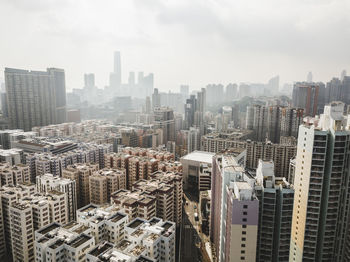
190, 240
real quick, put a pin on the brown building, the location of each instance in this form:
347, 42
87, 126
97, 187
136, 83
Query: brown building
104, 182
81, 173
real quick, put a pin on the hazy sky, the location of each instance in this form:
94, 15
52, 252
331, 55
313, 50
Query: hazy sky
181, 41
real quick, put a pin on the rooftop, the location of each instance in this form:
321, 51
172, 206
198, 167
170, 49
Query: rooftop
200, 156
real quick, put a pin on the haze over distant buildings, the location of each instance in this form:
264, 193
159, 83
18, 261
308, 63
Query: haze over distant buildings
238, 40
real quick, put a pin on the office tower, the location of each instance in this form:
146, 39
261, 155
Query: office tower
104, 182
309, 77
164, 119
155, 98
59, 83
234, 211
305, 96
273, 85
89, 81
343, 74
81, 173
260, 123
49, 182
231, 92
275, 213
35, 98
148, 108
202, 101
190, 108
291, 119
115, 78
321, 183
184, 90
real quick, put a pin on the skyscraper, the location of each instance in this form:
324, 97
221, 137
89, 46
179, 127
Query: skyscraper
305, 95
321, 204
89, 81
155, 98
309, 77
275, 213
115, 78
164, 119
59, 82
35, 98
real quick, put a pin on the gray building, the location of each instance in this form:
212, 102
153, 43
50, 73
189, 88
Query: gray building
35, 98
275, 196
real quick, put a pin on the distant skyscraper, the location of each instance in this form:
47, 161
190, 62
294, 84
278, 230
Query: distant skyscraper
115, 78
260, 123
155, 98
148, 108
231, 92
321, 205
309, 77
164, 119
305, 95
291, 119
184, 90
35, 98
89, 81
273, 85
59, 82
342, 75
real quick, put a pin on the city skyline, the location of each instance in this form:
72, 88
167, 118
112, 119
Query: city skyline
240, 42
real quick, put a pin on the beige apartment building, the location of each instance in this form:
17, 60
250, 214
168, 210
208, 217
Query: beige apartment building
104, 182
81, 173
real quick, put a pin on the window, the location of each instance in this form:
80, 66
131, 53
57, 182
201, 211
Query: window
242, 251
245, 206
244, 226
245, 213
244, 232
243, 239
244, 220
242, 245
242, 258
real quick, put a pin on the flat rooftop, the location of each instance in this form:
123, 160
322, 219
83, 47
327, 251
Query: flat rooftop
200, 156
79, 241
101, 249
48, 229
135, 223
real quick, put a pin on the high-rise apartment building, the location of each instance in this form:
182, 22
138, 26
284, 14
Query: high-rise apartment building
115, 78
276, 197
321, 183
234, 211
260, 122
35, 98
81, 173
49, 182
164, 119
104, 182
305, 96
291, 119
